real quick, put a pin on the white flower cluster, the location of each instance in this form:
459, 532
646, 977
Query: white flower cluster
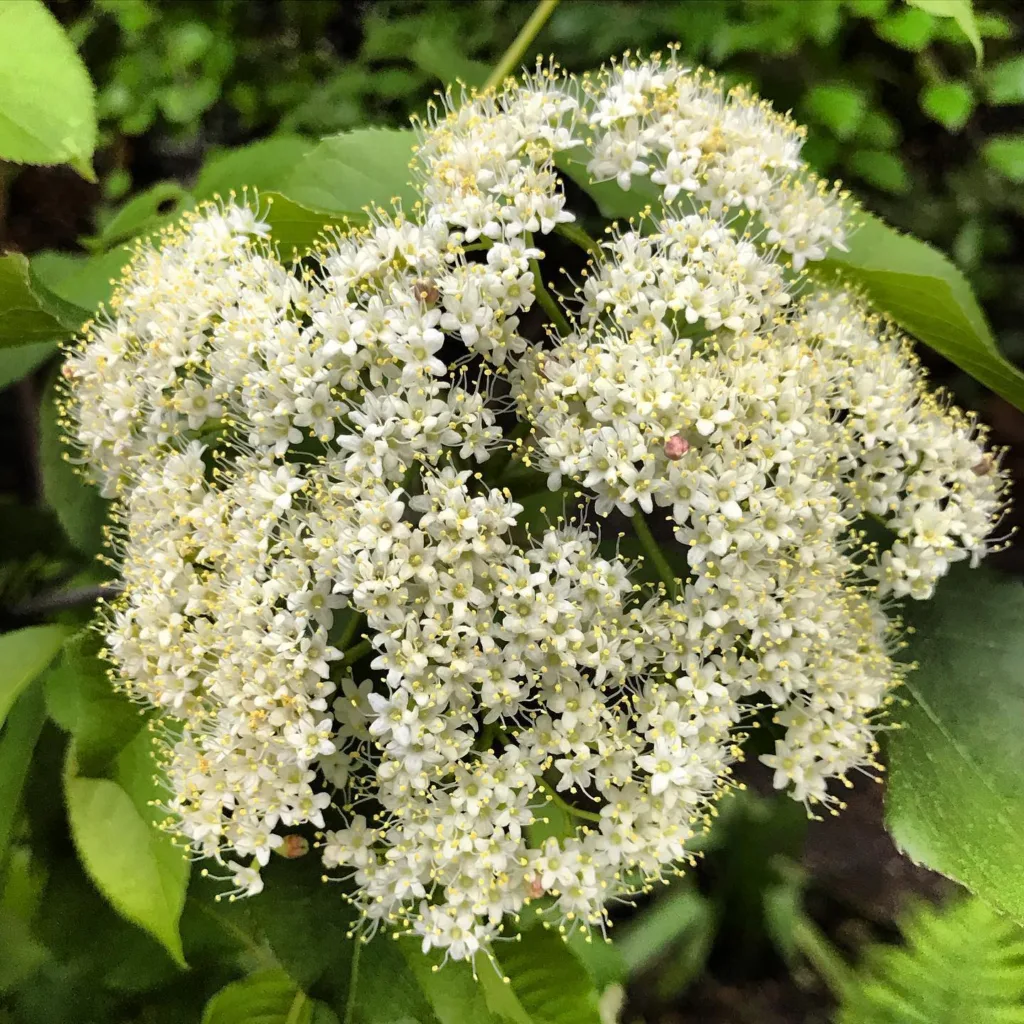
342, 615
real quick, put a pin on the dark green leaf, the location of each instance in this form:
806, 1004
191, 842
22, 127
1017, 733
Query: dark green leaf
348, 172
923, 292
48, 114
387, 990
954, 800
78, 505
549, 983
24, 654
132, 862
453, 993
294, 227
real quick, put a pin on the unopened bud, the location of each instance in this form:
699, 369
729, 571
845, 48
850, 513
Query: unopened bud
535, 889
984, 467
293, 846
676, 447
67, 371
426, 290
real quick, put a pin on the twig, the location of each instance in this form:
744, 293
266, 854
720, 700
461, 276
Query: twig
515, 52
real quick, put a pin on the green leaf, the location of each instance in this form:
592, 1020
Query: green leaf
923, 292
143, 214
24, 655
839, 106
48, 113
348, 172
387, 990
84, 281
954, 801
1005, 153
961, 12
441, 57
1004, 82
294, 227
881, 168
548, 982
268, 997
16, 363
135, 865
263, 165
28, 312
907, 28
455, 996
949, 103
17, 742
78, 505
81, 699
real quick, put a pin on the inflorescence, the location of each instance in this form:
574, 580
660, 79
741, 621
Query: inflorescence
333, 598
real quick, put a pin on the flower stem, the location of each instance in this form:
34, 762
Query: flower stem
575, 234
652, 550
544, 297
353, 982
514, 54
355, 653
577, 812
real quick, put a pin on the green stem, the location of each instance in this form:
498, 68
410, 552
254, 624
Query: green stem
353, 982
350, 630
652, 550
355, 653
294, 1011
575, 234
514, 54
565, 805
544, 297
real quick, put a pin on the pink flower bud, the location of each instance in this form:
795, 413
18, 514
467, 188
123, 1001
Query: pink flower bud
676, 447
293, 846
535, 889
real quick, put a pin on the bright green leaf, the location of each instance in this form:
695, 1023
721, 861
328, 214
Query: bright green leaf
442, 57
263, 165
949, 103
81, 699
1004, 82
268, 997
838, 106
134, 864
28, 313
48, 114
348, 172
881, 168
907, 28
879, 130
925, 294
548, 982
954, 800
78, 505
961, 12
19, 362
1005, 153
84, 281
24, 655
17, 742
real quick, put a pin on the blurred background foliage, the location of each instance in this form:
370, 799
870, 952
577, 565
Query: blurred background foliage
897, 104
780, 923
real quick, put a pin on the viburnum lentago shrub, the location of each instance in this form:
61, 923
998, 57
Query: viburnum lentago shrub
332, 597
